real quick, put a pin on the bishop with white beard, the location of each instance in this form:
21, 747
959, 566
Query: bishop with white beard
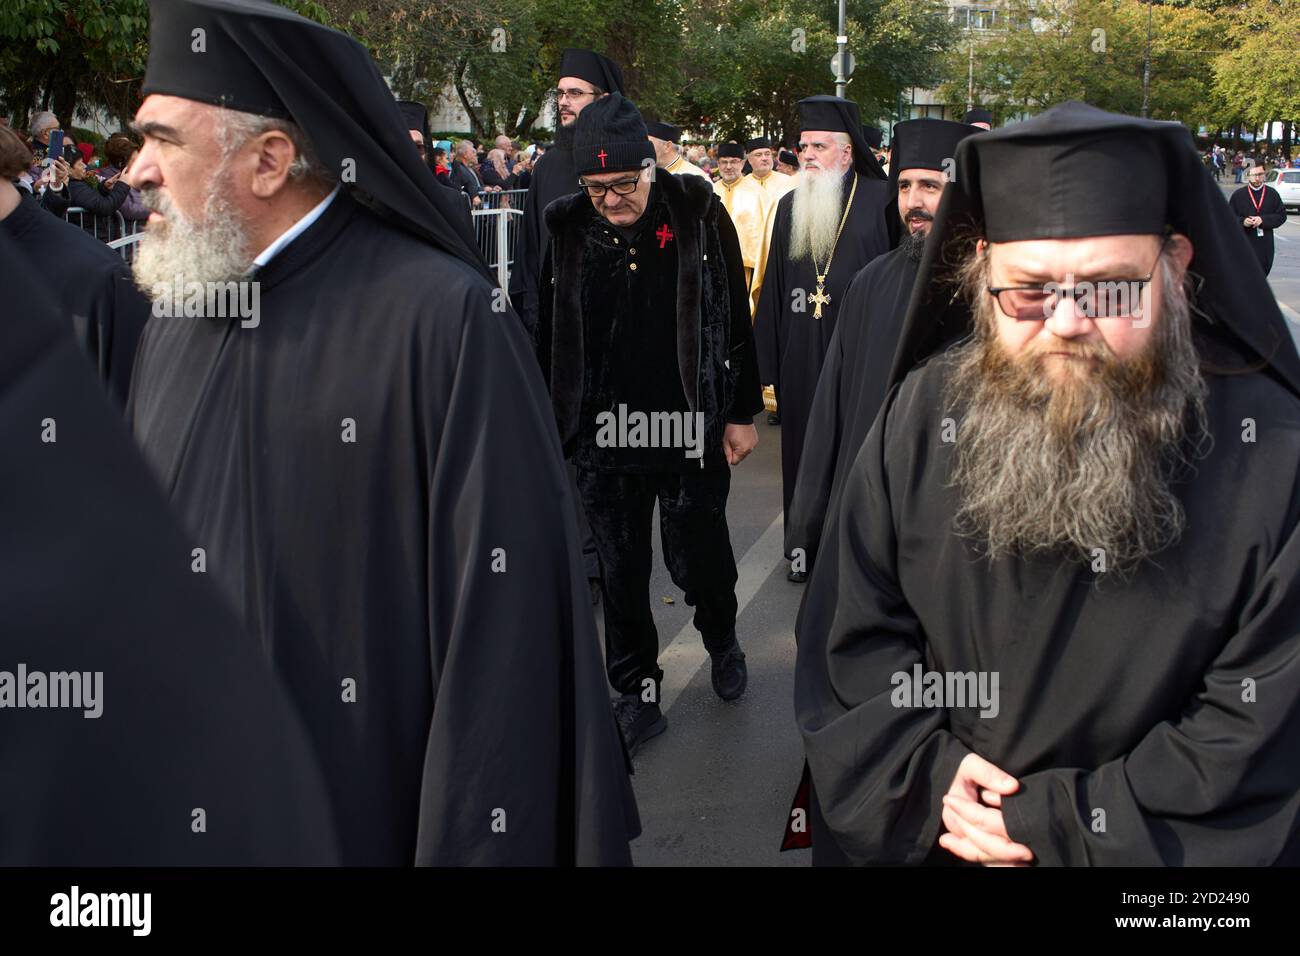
826, 229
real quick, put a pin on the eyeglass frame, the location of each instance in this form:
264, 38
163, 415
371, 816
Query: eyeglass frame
572, 93
1072, 292
586, 187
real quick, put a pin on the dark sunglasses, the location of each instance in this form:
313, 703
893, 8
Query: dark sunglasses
1098, 299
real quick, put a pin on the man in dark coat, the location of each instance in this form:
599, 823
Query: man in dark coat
366, 461
464, 172
653, 380
1055, 621
826, 229
1259, 211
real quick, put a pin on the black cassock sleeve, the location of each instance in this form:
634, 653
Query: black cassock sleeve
524, 282
1219, 786
523, 763
196, 756
880, 771
545, 316
746, 392
118, 311
821, 450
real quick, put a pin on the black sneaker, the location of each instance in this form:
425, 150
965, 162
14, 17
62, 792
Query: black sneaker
638, 721
774, 419
730, 675
796, 577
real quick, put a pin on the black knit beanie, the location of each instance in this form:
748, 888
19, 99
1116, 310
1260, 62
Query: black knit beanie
610, 137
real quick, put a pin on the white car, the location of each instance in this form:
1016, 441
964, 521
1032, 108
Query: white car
1287, 184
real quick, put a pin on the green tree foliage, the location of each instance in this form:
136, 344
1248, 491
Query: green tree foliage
748, 63
501, 56
1094, 50
1258, 76
64, 54
73, 57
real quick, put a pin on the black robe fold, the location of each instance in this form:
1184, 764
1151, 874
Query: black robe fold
1167, 700
1271, 211
553, 176
377, 481
97, 578
96, 294
852, 385
790, 342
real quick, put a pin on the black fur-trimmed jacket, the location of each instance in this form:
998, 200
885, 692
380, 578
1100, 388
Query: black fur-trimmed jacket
716, 360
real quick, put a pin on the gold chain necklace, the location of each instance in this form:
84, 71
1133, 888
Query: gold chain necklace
820, 298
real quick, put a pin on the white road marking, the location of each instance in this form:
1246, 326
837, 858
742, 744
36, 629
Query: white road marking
685, 655
1288, 313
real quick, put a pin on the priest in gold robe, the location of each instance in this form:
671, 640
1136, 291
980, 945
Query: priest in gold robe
771, 185
744, 202
666, 139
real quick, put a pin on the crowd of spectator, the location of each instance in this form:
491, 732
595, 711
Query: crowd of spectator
82, 177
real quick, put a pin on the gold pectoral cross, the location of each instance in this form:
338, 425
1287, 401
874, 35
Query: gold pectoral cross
819, 298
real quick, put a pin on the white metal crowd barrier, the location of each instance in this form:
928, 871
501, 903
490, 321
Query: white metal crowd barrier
495, 231
104, 228
126, 245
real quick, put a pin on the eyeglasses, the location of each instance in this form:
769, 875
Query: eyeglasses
624, 187
573, 93
1100, 299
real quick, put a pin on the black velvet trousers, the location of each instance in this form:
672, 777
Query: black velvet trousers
697, 553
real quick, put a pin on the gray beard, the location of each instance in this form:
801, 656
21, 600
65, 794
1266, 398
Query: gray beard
818, 205
214, 249
1081, 468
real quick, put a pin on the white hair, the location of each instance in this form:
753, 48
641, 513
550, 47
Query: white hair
235, 128
42, 121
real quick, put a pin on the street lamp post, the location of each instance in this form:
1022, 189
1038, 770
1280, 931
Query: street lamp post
841, 43
970, 67
1146, 63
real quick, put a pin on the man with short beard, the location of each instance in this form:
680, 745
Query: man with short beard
1259, 211
367, 467
1055, 622
585, 76
824, 231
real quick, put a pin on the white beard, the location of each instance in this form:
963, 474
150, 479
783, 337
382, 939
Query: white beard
213, 249
815, 217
